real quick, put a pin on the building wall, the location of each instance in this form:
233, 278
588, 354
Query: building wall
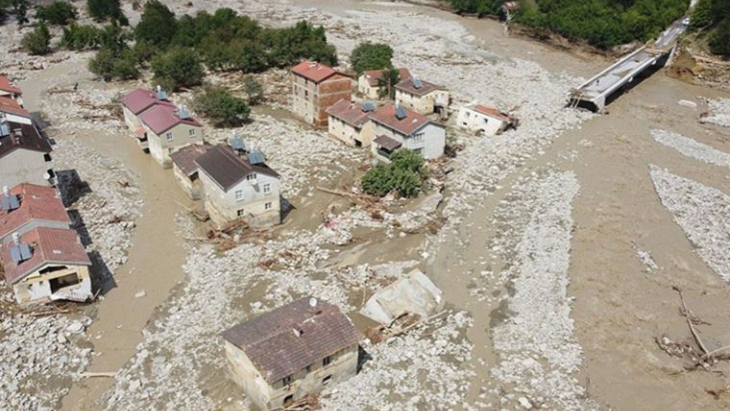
30, 225
424, 104
272, 396
303, 98
223, 206
15, 118
329, 93
429, 141
37, 287
368, 91
310, 100
160, 147
193, 188
348, 133
131, 120
473, 121
24, 166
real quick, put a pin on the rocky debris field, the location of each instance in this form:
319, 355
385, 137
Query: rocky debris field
703, 213
719, 112
691, 148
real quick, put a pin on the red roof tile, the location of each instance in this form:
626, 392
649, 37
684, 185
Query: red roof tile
493, 112
5, 85
49, 246
270, 341
163, 117
139, 100
36, 203
8, 105
373, 76
349, 112
408, 125
314, 71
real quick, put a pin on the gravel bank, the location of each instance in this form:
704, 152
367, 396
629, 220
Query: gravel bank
719, 112
691, 148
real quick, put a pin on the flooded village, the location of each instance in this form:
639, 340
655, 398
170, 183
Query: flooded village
486, 222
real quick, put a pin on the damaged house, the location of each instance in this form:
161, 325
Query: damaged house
7, 89
368, 84
396, 127
185, 169
25, 152
237, 184
486, 121
47, 264
137, 102
291, 352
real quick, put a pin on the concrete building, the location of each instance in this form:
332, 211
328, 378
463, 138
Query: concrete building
349, 122
239, 185
168, 129
185, 169
296, 350
28, 206
484, 120
25, 154
396, 127
134, 104
47, 264
367, 83
7, 89
14, 112
316, 87
422, 97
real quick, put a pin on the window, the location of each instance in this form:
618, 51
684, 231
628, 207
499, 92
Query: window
418, 137
326, 380
267, 188
240, 213
47, 158
288, 380
468, 114
168, 136
239, 195
251, 176
306, 93
327, 361
267, 206
191, 132
486, 121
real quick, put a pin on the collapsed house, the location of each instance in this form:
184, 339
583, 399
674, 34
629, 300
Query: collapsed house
294, 351
412, 294
486, 121
316, 87
237, 184
368, 84
396, 127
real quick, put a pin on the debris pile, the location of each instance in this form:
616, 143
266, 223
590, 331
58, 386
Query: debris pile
719, 112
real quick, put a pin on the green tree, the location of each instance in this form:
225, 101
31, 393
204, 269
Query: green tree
223, 109
58, 13
157, 25
253, 89
177, 68
102, 10
76, 37
371, 56
20, 8
720, 39
387, 82
404, 175
38, 42
701, 14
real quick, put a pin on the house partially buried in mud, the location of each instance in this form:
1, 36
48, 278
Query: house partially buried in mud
294, 351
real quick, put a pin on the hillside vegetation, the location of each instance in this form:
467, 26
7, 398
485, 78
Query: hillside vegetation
601, 23
712, 18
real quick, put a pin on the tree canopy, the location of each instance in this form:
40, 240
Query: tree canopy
223, 109
371, 56
404, 175
37, 42
58, 13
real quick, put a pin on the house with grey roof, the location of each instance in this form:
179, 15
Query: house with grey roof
422, 97
349, 122
237, 184
185, 169
296, 350
396, 127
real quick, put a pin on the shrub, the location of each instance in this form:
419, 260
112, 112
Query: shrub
720, 39
404, 175
223, 109
387, 82
157, 25
76, 37
106, 9
59, 13
20, 8
38, 42
253, 89
177, 68
371, 56
114, 60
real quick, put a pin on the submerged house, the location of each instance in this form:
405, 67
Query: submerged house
185, 169
28, 206
135, 103
396, 127
25, 153
291, 352
422, 97
368, 82
350, 122
485, 120
168, 129
47, 264
237, 184
316, 87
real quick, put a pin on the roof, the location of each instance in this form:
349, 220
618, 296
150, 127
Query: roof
10, 106
49, 246
408, 125
275, 349
36, 203
185, 158
162, 117
387, 143
5, 85
408, 87
227, 168
24, 136
311, 70
372, 76
492, 112
139, 100
349, 112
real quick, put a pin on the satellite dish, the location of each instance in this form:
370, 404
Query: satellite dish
312, 302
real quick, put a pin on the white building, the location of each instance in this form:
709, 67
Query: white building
484, 120
168, 129
422, 97
25, 154
239, 185
397, 127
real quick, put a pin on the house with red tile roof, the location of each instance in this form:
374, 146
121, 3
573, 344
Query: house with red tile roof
237, 184
14, 112
422, 97
28, 206
25, 152
47, 264
350, 123
484, 120
7, 89
367, 83
396, 127
168, 129
296, 350
316, 87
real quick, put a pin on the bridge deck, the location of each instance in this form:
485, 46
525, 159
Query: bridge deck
615, 74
